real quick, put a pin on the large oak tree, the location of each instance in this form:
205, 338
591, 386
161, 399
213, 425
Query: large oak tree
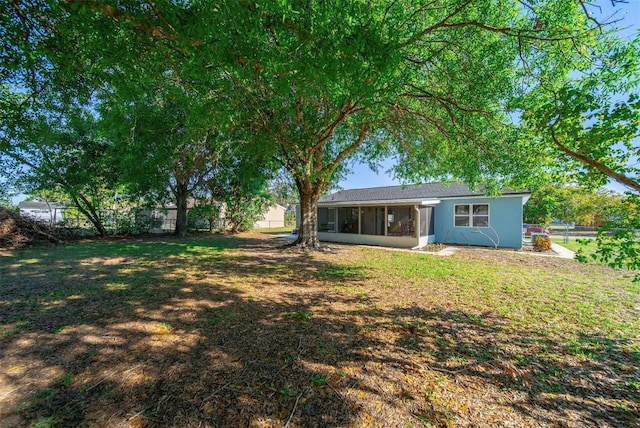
430, 82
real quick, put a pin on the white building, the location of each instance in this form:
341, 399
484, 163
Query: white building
272, 218
46, 212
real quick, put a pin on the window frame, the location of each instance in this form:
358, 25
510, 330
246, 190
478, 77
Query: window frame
470, 216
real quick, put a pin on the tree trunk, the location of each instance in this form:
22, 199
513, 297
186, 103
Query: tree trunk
89, 211
308, 231
181, 213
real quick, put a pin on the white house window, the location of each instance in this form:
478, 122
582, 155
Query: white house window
480, 215
462, 215
476, 215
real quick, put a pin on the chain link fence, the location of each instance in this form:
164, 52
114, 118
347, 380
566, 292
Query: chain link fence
135, 223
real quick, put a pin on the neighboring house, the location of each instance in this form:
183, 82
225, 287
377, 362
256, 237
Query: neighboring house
416, 215
272, 218
46, 212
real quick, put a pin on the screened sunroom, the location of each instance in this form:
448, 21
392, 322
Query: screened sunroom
381, 224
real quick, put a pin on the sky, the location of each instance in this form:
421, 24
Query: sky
628, 15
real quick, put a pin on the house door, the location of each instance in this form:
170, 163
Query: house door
426, 221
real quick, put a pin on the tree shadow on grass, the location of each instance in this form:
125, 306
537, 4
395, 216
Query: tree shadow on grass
192, 334
553, 381
135, 336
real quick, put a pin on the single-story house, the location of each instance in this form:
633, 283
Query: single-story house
413, 216
46, 212
272, 218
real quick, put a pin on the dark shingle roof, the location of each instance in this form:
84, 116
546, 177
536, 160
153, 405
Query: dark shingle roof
408, 192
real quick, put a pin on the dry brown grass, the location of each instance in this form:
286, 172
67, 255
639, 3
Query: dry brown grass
238, 332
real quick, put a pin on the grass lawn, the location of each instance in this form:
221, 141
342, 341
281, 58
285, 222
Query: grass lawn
236, 331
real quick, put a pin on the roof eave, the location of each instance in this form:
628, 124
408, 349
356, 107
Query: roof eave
502, 195
420, 201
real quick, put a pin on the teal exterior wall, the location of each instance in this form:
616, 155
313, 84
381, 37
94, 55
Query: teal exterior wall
505, 223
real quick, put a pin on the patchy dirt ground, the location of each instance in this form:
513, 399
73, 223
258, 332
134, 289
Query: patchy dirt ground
257, 336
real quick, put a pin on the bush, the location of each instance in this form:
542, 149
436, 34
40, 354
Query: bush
203, 216
138, 221
542, 243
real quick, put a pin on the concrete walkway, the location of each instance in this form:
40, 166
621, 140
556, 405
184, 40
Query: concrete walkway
560, 251
563, 252
286, 237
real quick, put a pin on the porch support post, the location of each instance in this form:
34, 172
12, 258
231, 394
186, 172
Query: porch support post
386, 219
336, 226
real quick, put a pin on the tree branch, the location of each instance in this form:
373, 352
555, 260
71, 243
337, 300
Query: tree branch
155, 32
364, 131
439, 24
386, 13
599, 166
536, 33
444, 101
436, 124
327, 133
